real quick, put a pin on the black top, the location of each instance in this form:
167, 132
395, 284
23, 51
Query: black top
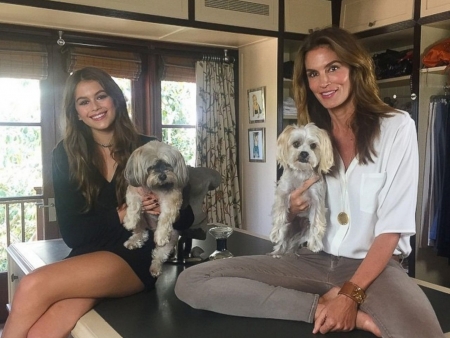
100, 228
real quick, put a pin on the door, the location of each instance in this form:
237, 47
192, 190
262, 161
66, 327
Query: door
28, 134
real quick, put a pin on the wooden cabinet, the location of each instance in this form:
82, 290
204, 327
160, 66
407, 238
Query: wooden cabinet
25, 257
303, 16
361, 15
430, 7
169, 8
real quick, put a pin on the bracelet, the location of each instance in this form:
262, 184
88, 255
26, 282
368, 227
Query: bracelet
354, 292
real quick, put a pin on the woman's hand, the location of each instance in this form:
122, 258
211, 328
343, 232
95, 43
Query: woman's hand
150, 203
337, 314
297, 201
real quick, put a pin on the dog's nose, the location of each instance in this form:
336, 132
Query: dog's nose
162, 176
304, 154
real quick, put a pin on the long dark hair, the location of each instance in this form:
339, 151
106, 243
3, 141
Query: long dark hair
85, 160
369, 108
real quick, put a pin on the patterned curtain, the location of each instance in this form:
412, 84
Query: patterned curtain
216, 139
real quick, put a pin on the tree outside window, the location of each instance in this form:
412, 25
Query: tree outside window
179, 116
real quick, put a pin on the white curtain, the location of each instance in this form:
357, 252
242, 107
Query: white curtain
216, 139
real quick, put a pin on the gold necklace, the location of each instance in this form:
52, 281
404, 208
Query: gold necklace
109, 145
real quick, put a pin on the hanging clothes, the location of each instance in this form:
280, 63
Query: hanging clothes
435, 222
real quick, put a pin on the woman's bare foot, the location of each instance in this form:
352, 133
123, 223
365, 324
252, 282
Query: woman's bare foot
363, 320
366, 323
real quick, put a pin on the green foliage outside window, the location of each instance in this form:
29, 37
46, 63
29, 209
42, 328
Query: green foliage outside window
179, 117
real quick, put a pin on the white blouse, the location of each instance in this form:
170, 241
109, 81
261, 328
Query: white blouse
376, 198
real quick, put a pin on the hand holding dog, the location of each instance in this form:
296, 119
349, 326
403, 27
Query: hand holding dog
298, 202
150, 203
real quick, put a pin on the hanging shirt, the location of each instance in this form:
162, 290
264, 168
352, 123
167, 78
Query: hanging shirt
379, 197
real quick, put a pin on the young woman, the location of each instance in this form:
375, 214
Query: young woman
90, 190
357, 280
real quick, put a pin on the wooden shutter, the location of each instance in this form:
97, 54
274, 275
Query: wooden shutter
116, 63
23, 60
176, 68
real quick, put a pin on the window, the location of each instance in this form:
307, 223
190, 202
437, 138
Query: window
125, 86
178, 118
20, 161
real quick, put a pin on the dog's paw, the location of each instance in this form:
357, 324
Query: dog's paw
155, 268
161, 237
133, 244
136, 240
315, 246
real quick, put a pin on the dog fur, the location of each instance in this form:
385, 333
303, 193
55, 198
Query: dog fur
161, 169
302, 152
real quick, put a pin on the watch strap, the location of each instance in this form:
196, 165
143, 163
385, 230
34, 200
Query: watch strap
353, 291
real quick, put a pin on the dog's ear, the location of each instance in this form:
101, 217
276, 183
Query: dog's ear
134, 172
326, 152
174, 157
181, 170
283, 146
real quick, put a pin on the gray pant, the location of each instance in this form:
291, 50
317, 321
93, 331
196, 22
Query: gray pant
289, 288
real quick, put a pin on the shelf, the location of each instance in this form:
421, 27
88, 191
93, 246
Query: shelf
395, 80
434, 70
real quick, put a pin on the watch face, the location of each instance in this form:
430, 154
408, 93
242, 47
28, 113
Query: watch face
358, 295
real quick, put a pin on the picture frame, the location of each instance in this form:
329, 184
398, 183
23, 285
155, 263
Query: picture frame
256, 104
257, 144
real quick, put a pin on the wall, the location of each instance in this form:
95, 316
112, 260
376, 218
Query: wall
258, 68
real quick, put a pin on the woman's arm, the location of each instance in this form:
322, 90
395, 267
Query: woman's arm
339, 313
77, 228
395, 222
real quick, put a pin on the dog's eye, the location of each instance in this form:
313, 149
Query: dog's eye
296, 144
313, 145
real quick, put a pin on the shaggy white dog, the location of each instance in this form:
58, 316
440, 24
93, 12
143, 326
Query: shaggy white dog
303, 152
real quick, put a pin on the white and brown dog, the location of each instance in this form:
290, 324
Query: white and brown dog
161, 169
302, 152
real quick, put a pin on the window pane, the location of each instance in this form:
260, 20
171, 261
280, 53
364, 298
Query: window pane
125, 86
184, 140
21, 161
20, 100
178, 103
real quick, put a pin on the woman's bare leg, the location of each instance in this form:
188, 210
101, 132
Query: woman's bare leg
52, 325
95, 275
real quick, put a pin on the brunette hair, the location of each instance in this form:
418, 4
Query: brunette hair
369, 108
84, 157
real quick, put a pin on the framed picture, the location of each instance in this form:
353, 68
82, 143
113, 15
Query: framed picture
256, 104
257, 144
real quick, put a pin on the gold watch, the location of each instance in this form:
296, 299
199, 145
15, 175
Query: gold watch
353, 291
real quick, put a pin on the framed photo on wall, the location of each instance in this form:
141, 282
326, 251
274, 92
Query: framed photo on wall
257, 144
256, 104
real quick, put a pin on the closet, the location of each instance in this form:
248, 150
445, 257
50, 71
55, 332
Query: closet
382, 26
433, 225
412, 93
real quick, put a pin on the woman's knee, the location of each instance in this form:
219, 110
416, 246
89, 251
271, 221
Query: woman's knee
31, 286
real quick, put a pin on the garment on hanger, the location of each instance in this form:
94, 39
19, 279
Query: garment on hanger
435, 222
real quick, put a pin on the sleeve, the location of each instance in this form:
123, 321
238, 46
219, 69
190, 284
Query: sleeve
77, 228
185, 220
398, 198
